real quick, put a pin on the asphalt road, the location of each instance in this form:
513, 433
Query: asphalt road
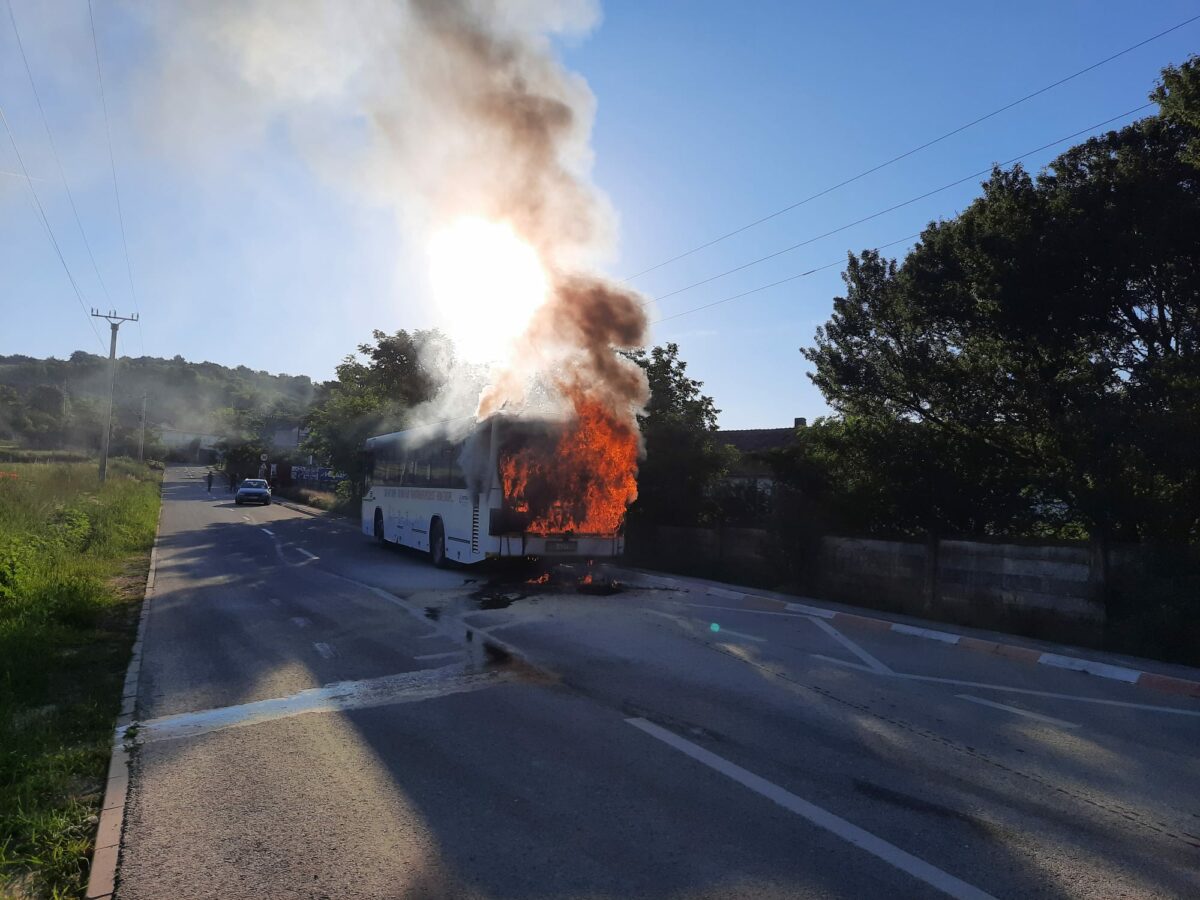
315, 722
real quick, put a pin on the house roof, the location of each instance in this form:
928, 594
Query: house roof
754, 440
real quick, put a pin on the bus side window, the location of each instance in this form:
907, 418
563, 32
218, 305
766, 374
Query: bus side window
368, 468
440, 476
387, 465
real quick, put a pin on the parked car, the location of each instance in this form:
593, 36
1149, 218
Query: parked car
253, 490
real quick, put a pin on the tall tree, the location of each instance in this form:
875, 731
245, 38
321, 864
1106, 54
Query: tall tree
683, 459
1050, 334
400, 371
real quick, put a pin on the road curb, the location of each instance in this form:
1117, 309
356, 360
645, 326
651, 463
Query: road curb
1169, 684
314, 512
102, 879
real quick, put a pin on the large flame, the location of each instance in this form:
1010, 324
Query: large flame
488, 283
582, 482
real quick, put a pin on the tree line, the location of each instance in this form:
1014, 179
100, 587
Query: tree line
1032, 367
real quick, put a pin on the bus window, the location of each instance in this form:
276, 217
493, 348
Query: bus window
368, 469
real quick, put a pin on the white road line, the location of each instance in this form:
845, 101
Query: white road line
247, 518
276, 601
944, 636
1029, 692
301, 622
267, 531
1050, 720
440, 655
874, 664
822, 818
306, 553
324, 649
1104, 670
846, 663
749, 612
407, 687
811, 610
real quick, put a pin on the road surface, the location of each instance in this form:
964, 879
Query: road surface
314, 722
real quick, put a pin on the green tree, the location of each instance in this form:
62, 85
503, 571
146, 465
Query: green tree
1178, 96
683, 460
1047, 340
368, 397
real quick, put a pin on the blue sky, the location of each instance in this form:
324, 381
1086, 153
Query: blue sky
709, 115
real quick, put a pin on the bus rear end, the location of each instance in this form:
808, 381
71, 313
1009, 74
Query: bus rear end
561, 489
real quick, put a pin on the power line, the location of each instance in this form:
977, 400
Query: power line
113, 165
896, 206
908, 153
46, 225
19, 175
761, 288
54, 150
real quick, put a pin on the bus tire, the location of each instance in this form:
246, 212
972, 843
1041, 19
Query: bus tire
379, 527
437, 544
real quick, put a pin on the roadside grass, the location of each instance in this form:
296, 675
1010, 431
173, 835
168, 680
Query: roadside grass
73, 561
326, 500
11, 453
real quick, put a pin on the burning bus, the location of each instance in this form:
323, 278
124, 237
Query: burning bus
506, 487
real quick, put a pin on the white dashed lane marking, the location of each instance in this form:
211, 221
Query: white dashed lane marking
301, 622
324, 649
268, 531
306, 553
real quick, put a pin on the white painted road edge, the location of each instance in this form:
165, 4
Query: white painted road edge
1103, 670
102, 877
822, 818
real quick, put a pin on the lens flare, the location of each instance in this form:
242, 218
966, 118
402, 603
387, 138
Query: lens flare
488, 283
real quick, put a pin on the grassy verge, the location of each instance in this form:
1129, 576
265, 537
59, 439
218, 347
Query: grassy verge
327, 500
73, 560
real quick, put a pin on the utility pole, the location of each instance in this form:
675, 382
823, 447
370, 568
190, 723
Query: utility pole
142, 439
114, 322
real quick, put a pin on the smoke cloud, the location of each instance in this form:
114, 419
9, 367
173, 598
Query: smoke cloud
436, 109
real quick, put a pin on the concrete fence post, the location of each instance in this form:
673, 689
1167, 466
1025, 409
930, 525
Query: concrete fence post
932, 589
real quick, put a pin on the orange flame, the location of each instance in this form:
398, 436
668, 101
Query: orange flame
541, 579
585, 484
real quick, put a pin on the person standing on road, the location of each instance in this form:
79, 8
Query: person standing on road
210, 481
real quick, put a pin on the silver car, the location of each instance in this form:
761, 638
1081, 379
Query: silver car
253, 490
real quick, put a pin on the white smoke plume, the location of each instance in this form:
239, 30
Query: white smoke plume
437, 109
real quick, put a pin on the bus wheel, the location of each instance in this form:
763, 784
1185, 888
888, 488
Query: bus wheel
379, 526
437, 543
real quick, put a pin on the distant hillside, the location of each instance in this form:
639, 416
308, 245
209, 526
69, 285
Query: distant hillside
55, 401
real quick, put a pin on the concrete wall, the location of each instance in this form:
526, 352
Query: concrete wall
730, 553
1055, 591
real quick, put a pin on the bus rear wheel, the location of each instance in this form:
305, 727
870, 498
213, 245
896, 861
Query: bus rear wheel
437, 543
379, 526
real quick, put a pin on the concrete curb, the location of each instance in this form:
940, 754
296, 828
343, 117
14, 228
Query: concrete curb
1152, 680
102, 880
315, 513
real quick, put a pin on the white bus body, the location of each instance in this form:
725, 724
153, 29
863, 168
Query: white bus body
417, 495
